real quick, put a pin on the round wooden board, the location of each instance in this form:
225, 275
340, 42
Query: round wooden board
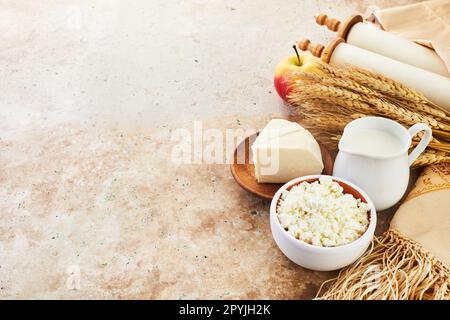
244, 171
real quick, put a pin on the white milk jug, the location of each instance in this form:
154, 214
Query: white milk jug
373, 154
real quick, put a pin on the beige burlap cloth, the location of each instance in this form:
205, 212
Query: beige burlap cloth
425, 22
411, 260
425, 214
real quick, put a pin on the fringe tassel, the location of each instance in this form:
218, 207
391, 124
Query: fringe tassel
395, 268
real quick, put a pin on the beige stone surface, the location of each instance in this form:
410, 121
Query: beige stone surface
91, 204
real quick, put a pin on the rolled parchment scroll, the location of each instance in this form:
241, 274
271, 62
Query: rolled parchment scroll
366, 36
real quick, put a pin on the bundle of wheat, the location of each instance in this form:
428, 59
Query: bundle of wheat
333, 96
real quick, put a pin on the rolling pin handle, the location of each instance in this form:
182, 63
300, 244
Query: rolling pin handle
331, 23
315, 49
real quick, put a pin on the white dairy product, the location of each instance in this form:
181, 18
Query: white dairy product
285, 150
320, 214
373, 142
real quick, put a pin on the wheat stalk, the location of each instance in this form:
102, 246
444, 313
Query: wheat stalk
360, 102
424, 109
330, 97
329, 122
404, 115
410, 100
335, 82
391, 87
431, 157
318, 92
441, 134
328, 130
385, 86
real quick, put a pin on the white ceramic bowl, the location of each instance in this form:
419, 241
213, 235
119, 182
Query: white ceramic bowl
315, 257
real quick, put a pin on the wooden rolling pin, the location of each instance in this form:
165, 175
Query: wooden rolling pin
435, 87
366, 36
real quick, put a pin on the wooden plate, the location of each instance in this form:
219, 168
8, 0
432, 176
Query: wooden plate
244, 171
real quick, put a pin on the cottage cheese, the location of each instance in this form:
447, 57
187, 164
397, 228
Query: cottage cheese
320, 214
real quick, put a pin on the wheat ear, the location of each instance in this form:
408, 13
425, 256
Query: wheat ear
431, 157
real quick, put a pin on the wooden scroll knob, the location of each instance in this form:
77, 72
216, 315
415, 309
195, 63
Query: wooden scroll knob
331, 23
343, 28
315, 49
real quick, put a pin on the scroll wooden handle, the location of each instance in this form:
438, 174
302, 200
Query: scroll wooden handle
331, 23
315, 49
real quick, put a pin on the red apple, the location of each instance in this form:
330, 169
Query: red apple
303, 62
284, 67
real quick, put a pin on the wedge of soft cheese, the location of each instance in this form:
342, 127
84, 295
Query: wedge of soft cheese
284, 151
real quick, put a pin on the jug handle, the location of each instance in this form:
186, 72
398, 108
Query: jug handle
422, 144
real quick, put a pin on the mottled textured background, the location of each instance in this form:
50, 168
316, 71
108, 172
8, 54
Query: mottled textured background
91, 205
